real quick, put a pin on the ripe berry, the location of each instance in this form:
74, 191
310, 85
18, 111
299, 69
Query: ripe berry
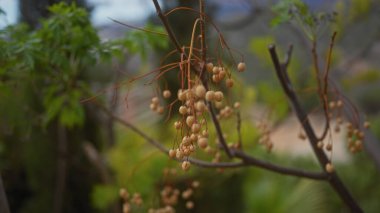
181, 95
160, 110
367, 124
202, 142
215, 70
200, 91
218, 96
182, 110
329, 168
229, 82
195, 128
177, 124
172, 153
155, 100
185, 165
241, 67
200, 106
189, 204
190, 120
167, 94
153, 106
237, 105
210, 95
209, 67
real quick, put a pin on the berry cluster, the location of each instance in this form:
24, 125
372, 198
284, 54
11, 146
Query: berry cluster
195, 100
128, 201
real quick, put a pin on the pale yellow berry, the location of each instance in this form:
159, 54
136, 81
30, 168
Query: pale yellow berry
329, 168
200, 91
218, 105
195, 128
195, 184
210, 95
153, 106
124, 193
190, 120
209, 67
367, 124
187, 194
179, 154
215, 70
200, 106
167, 94
222, 74
218, 96
237, 105
185, 165
205, 133
339, 103
177, 124
181, 95
215, 78
155, 100
320, 144
241, 67
229, 82
202, 142
189, 204
182, 110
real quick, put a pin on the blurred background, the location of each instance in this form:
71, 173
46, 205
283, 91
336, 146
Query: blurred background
59, 152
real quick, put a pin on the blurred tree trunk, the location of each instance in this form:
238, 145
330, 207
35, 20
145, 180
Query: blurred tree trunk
3, 198
32, 10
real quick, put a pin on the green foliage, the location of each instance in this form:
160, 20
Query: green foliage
259, 47
311, 23
103, 195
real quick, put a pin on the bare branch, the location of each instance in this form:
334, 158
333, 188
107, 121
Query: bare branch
246, 159
333, 178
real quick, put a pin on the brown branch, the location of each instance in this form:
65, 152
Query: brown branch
168, 29
246, 159
333, 178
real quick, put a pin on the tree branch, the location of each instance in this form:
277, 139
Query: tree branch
246, 159
333, 178
3, 198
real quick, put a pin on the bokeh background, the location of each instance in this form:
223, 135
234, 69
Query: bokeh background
60, 153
